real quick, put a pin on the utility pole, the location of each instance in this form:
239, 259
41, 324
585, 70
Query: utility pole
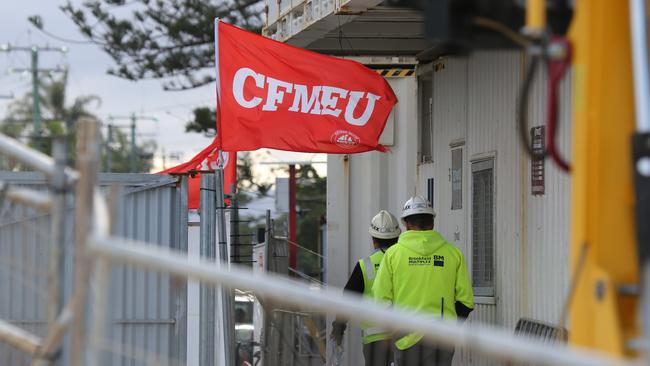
35, 71
134, 149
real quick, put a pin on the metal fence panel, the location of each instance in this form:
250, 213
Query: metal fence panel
143, 305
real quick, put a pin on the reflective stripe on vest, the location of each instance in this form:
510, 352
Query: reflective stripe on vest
367, 332
370, 268
369, 265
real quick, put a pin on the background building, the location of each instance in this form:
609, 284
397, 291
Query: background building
454, 139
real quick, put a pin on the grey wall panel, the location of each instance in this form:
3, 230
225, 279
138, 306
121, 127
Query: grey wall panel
358, 186
142, 318
531, 242
494, 79
483, 314
548, 221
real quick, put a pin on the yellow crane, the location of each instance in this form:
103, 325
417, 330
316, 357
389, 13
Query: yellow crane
606, 254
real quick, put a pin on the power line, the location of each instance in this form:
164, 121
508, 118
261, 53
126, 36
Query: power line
134, 119
34, 51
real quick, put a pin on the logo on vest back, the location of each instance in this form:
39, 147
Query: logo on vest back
419, 261
436, 260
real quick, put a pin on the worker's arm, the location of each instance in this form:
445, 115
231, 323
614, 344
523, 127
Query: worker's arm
354, 284
382, 288
462, 311
464, 301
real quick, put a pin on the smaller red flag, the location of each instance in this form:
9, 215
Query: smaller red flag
206, 160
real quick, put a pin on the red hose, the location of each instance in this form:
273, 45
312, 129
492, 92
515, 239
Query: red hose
556, 70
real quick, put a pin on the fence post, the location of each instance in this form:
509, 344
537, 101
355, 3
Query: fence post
208, 244
226, 298
180, 297
87, 163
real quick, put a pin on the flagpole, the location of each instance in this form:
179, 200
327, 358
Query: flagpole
217, 80
225, 293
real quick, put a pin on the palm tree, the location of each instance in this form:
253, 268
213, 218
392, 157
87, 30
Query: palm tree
58, 117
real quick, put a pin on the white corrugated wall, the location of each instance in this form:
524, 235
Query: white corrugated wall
548, 222
493, 81
474, 107
360, 185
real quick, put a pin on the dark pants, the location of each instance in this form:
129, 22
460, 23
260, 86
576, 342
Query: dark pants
423, 355
378, 353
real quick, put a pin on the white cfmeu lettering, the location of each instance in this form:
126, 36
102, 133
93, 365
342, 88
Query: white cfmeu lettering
302, 99
317, 100
355, 96
329, 99
274, 95
238, 87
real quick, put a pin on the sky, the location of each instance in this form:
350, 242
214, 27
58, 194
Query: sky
87, 76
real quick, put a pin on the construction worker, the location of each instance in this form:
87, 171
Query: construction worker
377, 349
426, 274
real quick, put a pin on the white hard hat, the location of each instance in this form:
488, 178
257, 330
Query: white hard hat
417, 205
384, 226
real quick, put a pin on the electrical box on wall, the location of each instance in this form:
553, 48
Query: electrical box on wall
537, 172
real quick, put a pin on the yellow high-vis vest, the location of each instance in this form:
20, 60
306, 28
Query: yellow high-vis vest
369, 267
426, 274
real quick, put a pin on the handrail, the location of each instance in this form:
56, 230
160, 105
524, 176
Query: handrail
19, 338
33, 158
35, 199
496, 343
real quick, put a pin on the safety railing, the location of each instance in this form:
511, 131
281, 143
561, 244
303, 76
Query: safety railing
97, 252
90, 206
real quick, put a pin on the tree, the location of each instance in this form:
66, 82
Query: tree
59, 121
311, 193
160, 39
246, 176
117, 153
205, 121
58, 117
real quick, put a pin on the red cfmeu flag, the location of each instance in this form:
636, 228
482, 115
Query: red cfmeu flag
206, 160
273, 95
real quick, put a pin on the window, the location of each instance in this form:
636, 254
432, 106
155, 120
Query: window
430, 187
483, 227
426, 118
457, 178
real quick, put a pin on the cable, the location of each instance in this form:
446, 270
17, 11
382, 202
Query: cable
556, 70
307, 277
502, 29
299, 246
523, 110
